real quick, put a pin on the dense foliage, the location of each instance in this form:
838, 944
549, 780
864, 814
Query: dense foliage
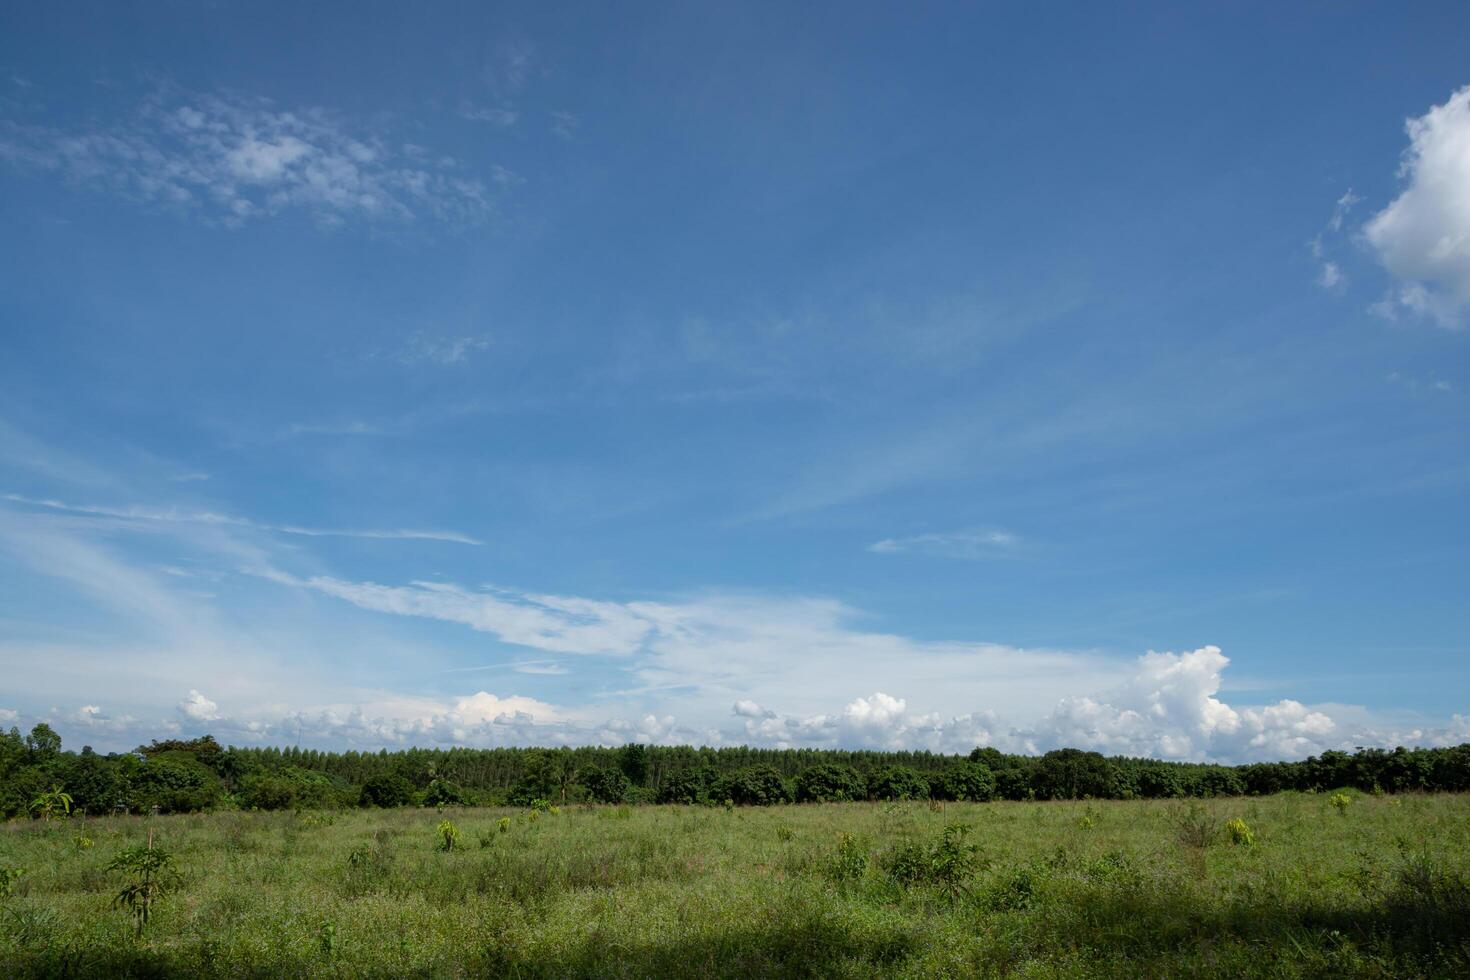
198, 774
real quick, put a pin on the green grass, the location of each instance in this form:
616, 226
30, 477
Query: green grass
1375, 888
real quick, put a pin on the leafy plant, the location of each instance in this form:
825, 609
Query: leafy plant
1194, 827
8, 878
1240, 834
52, 803
82, 842
850, 861
503, 824
151, 878
948, 862
448, 836
1341, 801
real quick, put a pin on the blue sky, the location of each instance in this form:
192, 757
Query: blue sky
733, 374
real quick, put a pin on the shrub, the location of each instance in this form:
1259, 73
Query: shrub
1239, 833
1193, 827
752, 786
441, 792
947, 863
968, 781
826, 783
1341, 801
688, 786
1071, 774
604, 785
386, 790
850, 860
448, 836
898, 783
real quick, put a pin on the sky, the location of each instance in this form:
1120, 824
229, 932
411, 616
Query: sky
859, 375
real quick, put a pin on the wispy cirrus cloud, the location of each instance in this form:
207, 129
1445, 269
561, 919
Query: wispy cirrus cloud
422, 347
952, 544
233, 158
177, 516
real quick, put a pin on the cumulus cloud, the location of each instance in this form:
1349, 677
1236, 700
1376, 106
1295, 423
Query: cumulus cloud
1423, 236
955, 544
232, 159
1167, 709
197, 707
9, 715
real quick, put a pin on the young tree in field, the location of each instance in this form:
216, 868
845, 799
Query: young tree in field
52, 803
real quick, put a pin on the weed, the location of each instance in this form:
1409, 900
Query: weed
503, 824
1194, 827
1341, 801
448, 836
8, 878
784, 833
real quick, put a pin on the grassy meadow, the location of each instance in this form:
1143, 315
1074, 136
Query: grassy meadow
1304, 885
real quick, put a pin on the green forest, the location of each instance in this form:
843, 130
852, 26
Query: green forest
181, 776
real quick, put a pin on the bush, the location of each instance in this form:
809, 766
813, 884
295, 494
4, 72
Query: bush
968, 781
687, 786
1071, 774
386, 790
441, 792
825, 783
604, 785
752, 786
898, 783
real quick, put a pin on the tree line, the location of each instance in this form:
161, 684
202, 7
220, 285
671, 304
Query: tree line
176, 775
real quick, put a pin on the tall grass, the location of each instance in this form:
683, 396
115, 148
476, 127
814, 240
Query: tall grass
1037, 889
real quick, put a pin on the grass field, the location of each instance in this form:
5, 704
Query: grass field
1373, 887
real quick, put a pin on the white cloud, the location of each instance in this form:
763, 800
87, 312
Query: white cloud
1332, 277
232, 159
197, 707
503, 116
424, 348
543, 622
9, 715
173, 516
1340, 210
564, 124
1423, 236
957, 544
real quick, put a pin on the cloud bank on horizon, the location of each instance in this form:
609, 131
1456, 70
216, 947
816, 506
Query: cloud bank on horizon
506, 381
